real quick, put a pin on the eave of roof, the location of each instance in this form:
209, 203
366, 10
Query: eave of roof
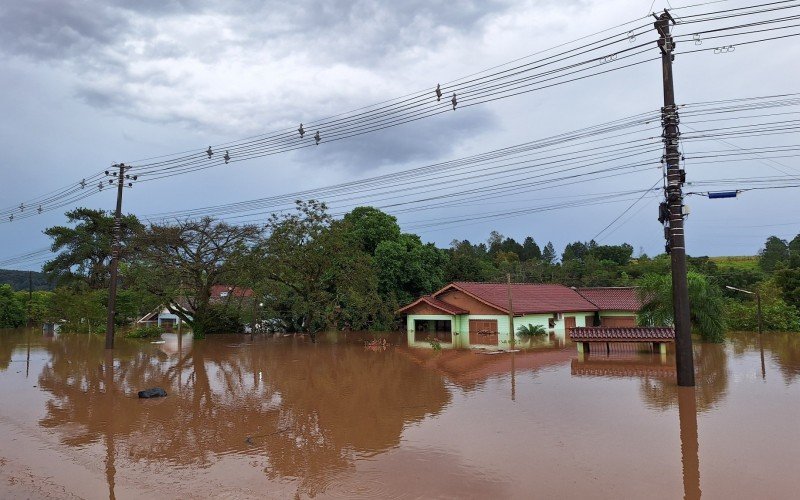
435, 303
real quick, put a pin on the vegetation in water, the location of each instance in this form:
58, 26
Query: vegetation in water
145, 332
531, 330
310, 271
435, 344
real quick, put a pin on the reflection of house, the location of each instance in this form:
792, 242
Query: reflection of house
466, 314
162, 316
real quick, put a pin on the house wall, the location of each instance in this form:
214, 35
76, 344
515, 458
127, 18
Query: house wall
467, 303
618, 314
441, 317
168, 316
543, 319
459, 326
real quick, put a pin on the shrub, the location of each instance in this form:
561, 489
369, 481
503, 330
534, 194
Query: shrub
530, 330
145, 332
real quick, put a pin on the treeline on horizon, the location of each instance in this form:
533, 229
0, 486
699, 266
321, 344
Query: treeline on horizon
311, 272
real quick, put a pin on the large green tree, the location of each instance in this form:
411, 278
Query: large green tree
368, 227
84, 249
408, 268
181, 262
774, 254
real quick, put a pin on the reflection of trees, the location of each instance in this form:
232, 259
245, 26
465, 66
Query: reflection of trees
308, 408
711, 376
8, 340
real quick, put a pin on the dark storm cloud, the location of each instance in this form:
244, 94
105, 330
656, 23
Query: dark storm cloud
152, 60
441, 136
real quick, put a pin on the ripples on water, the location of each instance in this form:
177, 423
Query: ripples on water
284, 416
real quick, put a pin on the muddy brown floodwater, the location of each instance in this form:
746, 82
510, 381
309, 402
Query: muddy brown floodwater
284, 417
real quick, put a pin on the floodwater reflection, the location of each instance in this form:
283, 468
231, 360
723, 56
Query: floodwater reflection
308, 411
278, 417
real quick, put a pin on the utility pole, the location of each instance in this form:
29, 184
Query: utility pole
115, 248
671, 211
510, 312
30, 297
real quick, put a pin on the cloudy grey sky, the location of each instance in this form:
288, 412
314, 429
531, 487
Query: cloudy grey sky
88, 83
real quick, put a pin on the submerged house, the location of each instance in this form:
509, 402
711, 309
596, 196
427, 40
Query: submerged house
162, 317
468, 314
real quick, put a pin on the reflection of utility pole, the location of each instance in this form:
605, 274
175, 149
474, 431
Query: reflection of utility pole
672, 209
690, 457
108, 383
513, 378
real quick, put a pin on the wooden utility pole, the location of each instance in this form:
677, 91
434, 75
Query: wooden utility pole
30, 297
673, 214
115, 249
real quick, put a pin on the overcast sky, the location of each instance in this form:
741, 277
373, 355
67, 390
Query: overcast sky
86, 84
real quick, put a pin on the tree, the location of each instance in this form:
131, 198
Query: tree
705, 301
407, 268
788, 279
468, 262
530, 250
183, 261
774, 254
574, 251
37, 305
86, 248
549, 254
618, 254
12, 311
369, 226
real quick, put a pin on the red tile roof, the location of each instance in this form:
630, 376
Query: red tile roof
633, 334
613, 298
434, 302
527, 298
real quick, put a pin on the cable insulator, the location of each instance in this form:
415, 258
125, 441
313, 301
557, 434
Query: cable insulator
454, 101
302, 131
317, 138
227, 157
438, 93
40, 209
209, 152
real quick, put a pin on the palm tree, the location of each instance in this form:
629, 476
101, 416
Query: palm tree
705, 303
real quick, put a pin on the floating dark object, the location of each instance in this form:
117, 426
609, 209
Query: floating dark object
153, 392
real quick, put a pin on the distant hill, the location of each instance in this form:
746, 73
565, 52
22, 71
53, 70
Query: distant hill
19, 280
740, 262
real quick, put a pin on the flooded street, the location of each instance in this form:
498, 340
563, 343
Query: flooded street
284, 417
